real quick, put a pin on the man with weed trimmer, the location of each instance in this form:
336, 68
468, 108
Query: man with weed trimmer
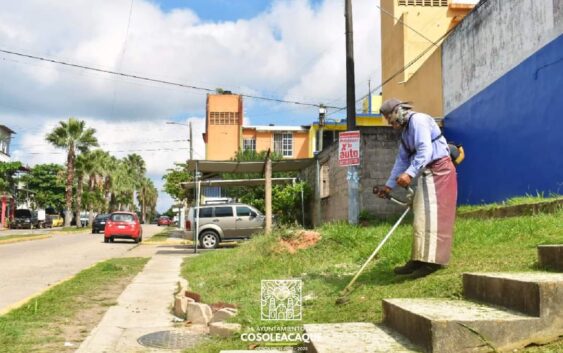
423, 153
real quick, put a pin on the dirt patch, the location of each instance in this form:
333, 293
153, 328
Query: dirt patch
67, 335
301, 239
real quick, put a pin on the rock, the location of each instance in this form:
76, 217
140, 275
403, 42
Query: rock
223, 314
180, 306
198, 313
182, 285
223, 329
195, 296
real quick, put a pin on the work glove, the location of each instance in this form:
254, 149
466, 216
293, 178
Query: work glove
382, 191
404, 180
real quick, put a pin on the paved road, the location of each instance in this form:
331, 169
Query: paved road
29, 267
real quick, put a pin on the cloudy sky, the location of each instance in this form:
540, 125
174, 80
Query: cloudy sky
284, 49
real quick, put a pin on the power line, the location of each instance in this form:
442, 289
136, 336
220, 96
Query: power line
116, 143
137, 77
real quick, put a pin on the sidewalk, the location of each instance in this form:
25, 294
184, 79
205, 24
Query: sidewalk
144, 306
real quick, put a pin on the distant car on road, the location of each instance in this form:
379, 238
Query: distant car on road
225, 222
164, 221
123, 225
99, 223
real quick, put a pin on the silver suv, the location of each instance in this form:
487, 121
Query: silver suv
226, 222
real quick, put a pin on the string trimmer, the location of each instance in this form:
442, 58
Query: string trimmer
343, 298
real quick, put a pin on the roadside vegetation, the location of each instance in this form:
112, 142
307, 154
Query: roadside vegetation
514, 201
234, 275
61, 318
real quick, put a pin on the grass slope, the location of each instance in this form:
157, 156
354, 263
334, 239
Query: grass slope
235, 275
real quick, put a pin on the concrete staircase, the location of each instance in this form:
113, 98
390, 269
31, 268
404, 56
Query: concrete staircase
502, 311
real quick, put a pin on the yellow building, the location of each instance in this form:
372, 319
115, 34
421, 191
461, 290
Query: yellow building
225, 134
411, 34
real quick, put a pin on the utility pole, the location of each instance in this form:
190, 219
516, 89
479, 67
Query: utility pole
191, 143
353, 176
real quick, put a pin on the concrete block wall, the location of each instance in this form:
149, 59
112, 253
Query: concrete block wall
379, 146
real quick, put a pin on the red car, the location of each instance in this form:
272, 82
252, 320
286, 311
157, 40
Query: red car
123, 225
164, 221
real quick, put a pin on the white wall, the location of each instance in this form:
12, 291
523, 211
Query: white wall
493, 39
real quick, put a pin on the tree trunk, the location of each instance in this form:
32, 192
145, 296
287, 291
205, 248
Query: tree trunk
143, 206
91, 187
69, 180
79, 189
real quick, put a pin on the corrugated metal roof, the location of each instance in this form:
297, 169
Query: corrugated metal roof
287, 165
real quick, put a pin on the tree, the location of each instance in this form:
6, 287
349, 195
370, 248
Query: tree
147, 197
46, 181
7, 171
71, 135
173, 179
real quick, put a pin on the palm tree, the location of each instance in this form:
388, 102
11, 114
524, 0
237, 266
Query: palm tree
146, 197
71, 135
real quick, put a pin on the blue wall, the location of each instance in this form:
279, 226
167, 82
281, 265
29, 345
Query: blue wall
512, 132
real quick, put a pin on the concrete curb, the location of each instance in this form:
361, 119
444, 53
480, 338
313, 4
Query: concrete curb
30, 238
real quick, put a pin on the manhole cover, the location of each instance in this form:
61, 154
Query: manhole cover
170, 339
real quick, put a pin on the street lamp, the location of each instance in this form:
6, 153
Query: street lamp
322, 113
190, 139
196, 209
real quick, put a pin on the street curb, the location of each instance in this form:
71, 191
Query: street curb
18, 240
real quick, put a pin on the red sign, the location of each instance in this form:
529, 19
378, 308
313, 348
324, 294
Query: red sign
349, 148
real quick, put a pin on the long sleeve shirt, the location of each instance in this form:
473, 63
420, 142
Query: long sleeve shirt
417, 137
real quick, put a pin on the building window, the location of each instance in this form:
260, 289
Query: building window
283, 144
249, 145
325, 185
423, 2
224, 118
4, 146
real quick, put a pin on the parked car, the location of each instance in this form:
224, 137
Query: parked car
123, 225
54, 220
24, 218
164, 221
227, 222
99, 223
84, 219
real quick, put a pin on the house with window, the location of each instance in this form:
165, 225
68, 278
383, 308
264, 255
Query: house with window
5, 138
225, 134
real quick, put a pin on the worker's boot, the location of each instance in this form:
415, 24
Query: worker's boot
408, 268
425, 269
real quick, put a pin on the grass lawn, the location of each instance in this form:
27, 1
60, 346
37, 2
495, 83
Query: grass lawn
234, 275
69, 311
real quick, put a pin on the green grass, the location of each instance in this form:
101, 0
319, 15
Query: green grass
234, 275
161, 236
34, 325
520, 200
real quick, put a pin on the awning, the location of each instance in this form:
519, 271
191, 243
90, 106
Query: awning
236, 182
286, 165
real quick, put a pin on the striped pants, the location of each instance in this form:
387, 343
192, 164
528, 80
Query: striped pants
434, 208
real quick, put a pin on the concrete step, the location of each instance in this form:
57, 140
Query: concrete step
551, 256
445, 326
355, 337
533, 293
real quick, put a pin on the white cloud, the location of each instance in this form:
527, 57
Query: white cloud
293, 50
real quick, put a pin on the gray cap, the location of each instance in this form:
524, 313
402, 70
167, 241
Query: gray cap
389, 105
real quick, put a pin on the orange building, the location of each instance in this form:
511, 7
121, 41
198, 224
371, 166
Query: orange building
225, 134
